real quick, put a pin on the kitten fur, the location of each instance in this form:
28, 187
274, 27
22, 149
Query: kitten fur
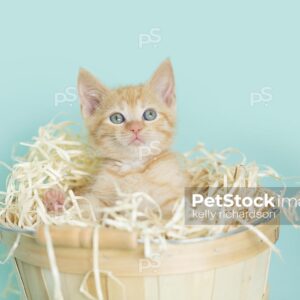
136, 154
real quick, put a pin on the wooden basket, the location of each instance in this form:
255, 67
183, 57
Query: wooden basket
230, 267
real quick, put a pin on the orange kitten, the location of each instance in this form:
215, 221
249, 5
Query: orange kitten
132, 127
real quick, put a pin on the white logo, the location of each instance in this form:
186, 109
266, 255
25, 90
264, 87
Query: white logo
150, 38
68, 96
154, 263
264, 96
149, 150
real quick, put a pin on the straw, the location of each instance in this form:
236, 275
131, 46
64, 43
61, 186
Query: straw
53, 266
59, 159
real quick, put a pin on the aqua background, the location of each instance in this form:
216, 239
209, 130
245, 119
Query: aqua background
222, 52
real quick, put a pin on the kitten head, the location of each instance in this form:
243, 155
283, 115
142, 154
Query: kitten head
132, 122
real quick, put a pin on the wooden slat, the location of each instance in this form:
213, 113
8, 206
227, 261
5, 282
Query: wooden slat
151, 288
194, 286
254, 278
70, 284
245, 280
92, 287
20, 281
134, 289
227, 282
33, 282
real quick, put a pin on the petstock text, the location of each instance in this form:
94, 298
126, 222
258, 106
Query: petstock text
221, 206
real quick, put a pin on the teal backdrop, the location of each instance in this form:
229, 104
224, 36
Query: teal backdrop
237, 70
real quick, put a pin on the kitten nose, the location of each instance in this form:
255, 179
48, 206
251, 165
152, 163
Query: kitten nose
135, 126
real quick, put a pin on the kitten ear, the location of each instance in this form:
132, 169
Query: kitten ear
163, 83
91, 92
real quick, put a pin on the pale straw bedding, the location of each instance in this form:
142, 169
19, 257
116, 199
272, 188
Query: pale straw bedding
58, 158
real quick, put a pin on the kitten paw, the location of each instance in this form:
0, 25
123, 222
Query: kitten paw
54, 200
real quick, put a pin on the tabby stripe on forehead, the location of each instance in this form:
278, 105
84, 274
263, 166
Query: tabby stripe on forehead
133, 96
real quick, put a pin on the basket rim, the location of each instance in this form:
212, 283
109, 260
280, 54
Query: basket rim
237, 230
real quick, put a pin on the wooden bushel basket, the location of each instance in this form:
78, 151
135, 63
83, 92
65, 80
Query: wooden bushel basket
233, 266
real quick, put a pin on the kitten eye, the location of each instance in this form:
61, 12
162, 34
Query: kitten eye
149, 114
117, 118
